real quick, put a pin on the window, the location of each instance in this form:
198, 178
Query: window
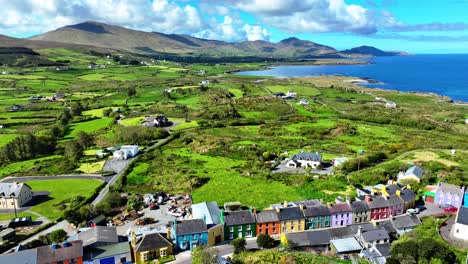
231, 235
231, 229
163, 253
123, 259
145, 256
249, 234
195, 236
284, 229
240, 228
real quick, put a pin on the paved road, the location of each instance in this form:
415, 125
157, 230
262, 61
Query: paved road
41, 178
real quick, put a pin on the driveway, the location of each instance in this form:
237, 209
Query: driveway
430, 210
446, 233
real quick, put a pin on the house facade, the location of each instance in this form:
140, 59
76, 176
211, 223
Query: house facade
460, 228
239, 224
14, 195
188, 234
210, 213
449, 194
361, 212
318, 216
268, 223
397, 205
414, 173
119, 253
379, 207
291, 219
341, 214
305, 160
150, 247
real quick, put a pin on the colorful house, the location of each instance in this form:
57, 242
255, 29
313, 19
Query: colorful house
118, 253
150, 247
414, 173
341, 214
465, 200
317, 217
449, 194
239, 224
188, 234
268, 223
291, 219
409, 198
397, 205
361, 212
211, 214
379, 206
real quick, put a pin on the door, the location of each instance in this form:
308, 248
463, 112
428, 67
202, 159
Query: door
109, 260
217, 239
429, 199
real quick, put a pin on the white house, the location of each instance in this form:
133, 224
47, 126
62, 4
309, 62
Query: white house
305, 159
338, 161
460, 228
390, 104
303, 102
14, 195
290, 95
204, 83
414, 173
126, 152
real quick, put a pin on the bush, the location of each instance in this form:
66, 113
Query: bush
239, 245
58, 236
265, 241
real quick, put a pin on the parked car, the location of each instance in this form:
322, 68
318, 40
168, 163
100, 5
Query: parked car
451, 209
154, 206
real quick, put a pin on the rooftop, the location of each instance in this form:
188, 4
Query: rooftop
98, 234
106, 251
67, 250
291, 213
267, 216
344, 245
359, 206
462, 215
239, 218
151, 241
193, 226
449, 188
405, 221
378, 202
340, 208
307, 156
415, 170
374, 235
309, 238
207, 210
318, 210
13, 189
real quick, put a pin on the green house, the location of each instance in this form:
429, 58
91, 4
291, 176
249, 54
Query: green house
238, 224
317, 217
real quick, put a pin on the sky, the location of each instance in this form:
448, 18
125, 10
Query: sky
415, 26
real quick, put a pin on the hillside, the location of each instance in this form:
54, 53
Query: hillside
120, 38
371, 51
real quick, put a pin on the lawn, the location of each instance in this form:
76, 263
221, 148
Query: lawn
183, 125
132, 121
88, 126
23, 166
7, 138
301, 90
60, 190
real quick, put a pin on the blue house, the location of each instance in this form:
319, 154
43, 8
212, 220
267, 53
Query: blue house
465, 203
188, 234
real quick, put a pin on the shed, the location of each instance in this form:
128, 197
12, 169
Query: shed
346, 245
97, 221
429, 197
20, 221
7, 234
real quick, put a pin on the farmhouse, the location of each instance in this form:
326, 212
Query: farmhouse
156, 121
14, 195
15, 108
303, 102
305, 160
290, 95
414, 173
126, 152
149, 247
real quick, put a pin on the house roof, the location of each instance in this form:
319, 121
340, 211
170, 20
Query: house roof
394, 200
340, 208
8, 189
392, 189
359, 206
6, 232
416, 171
449, 188
307, 156
267, 216
309, 238
378, 202
344, 245
98, 234
106, 251
193, 226
318, 210
47, 254
98, 219
151, 241
384, 249
290, 213
462, 215
308, 203
405, 221
341, 232
364, 227
239, 218
374, 235
387, 225
28, 256
208, 210
407, 195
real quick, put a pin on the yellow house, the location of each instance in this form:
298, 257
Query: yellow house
215, 235
291, 219
14, 195
150, 247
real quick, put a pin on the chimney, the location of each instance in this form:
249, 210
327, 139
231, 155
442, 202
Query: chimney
204, 218
398, 193
168, 233
359, 233
285, 204
221, 216
373, 192
367, 199
255, 210
277, 209
347, 199
133, 238
251, 209
301, 206
384, 196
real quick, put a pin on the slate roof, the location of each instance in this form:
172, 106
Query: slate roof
291, 213
239, 218
98, 234
360, 206
378, 202
12, 188
340, 208
28, 256
106, 251
47, 254
307, 156
384, 249
209, 210
364, 227
308, 203
405, 221
341, 232
416, 171
374, 235
319, 210
387, 225
267, 216
407, 195
394, 200
151, 241
449, 188
392, 188
309, 238
193, 226
462, 215
344, 245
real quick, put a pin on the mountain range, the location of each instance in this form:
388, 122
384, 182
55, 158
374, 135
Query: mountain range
109, 37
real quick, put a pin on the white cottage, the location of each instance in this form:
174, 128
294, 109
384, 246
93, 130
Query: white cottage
305, 159
126, 152
460, 228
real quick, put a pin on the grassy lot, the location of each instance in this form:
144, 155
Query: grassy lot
132, 121
6, 138
61, 190
88, 126
299, 89
23, 166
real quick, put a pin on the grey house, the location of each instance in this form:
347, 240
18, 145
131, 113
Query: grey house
361, 212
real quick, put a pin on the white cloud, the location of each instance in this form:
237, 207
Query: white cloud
256, 32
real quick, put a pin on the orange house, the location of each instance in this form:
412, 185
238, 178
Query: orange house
268, 223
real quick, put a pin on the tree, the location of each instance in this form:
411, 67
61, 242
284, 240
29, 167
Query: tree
73, 217
265, 241
131, 91
134, 203
239, 245
76, 109
200, 255
58, 236
73, 151
85, 140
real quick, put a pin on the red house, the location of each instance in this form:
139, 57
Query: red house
268, 223
379, 206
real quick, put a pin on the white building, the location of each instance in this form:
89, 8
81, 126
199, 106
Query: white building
305, 159
338, 161
390, 104
204, 83
14, 195
126, 152
460, 228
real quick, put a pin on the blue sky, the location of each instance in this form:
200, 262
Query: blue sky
416, 26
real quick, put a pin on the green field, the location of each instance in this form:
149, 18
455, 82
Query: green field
88, 126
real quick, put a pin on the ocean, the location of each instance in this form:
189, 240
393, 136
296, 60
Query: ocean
445, 74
